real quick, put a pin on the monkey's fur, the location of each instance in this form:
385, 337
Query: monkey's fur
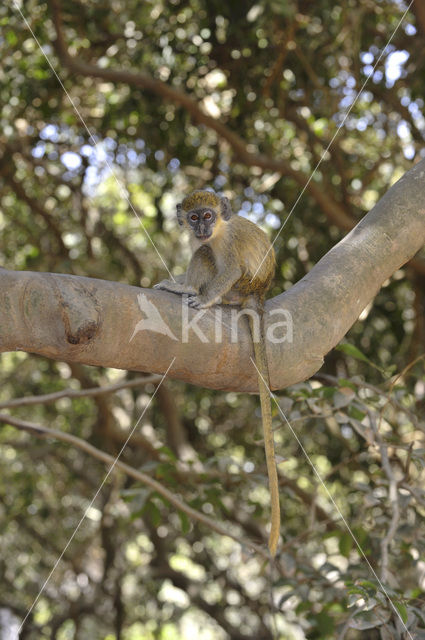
223, 269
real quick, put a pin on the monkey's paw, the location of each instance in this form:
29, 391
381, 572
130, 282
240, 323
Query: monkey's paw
199, 302
164, 284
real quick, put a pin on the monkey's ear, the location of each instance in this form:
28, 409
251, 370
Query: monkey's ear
226, 210
179, 214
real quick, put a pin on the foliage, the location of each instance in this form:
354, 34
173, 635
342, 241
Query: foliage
78, 159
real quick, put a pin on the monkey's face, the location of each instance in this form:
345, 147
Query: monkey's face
201, 222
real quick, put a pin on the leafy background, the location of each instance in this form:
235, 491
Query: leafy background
279, 78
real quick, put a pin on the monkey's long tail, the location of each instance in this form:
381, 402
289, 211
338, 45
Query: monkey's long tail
266, 412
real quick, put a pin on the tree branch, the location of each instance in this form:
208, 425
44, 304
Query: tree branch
36, 206
419, 11
78, 393
92, 321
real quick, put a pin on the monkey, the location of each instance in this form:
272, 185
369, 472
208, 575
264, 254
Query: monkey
233, 263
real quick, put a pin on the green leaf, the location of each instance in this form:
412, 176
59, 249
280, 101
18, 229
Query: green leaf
167, 452
325, 624
327, 392
354, 412
371, 587
354, 352
152, 510
184, 522
402, 610
11, 37
345, 544
303, 606
344, 382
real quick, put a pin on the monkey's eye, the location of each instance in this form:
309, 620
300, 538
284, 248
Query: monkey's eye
194, 217
207, 215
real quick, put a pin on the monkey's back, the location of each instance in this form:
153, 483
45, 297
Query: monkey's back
255, 255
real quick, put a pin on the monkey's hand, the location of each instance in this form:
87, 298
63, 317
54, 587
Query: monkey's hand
175, 287
164, 284
201, 302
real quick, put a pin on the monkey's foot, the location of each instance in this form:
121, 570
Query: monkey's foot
194, 301
200, 302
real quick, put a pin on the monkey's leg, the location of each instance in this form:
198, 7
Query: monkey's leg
216, 288
266, 413
202, 269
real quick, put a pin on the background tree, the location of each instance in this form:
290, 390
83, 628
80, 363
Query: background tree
244, 97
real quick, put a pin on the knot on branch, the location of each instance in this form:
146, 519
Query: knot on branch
80, 312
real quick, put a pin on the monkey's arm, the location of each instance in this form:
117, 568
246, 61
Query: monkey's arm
178, 286
200, 270
215, 288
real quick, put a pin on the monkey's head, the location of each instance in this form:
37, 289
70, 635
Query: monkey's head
202, 212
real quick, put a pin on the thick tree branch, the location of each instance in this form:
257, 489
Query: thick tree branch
93, 321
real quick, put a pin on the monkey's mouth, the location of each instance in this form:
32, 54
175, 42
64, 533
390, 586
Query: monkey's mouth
204, 238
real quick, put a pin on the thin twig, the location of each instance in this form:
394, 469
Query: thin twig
79, 393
